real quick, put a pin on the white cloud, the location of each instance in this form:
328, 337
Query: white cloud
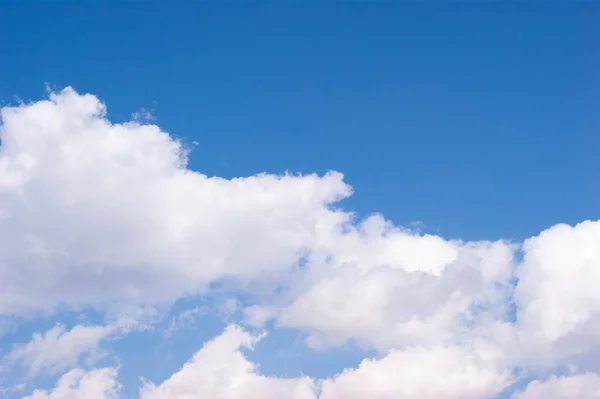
220, 370
257, 315
585, 386
99, 213
558, 295
120, 210
78, 384
420, 373
58, 349
385, 301
108, 215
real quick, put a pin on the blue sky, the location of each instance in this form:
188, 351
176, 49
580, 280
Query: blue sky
471, 121
476, 119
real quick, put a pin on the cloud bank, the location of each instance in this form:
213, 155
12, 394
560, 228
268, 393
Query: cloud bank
107, 216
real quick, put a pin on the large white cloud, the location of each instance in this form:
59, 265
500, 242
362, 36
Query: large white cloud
109, 215
94, 213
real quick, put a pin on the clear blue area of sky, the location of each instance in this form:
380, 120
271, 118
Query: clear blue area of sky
478, 119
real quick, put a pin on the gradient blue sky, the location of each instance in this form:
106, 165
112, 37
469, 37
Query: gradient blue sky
479, 120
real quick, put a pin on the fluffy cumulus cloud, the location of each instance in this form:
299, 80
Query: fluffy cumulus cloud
76, 384
423, 373
390, 300
585, 386
95, 213
58, 349
108, 216
558, 295
220, 370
